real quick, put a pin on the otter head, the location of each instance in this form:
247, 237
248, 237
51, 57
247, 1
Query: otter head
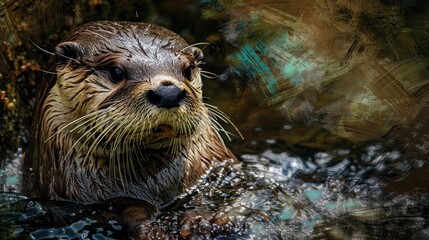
122, 116
126, 83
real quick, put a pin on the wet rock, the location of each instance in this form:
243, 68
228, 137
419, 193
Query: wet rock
221, 218
185, 230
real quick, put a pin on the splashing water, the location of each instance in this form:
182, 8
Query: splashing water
274, 195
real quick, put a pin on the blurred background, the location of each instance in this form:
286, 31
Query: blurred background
334, 93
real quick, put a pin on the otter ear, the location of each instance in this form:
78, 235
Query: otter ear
197, 54
68, 51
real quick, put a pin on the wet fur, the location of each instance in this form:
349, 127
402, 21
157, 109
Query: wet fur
93, 139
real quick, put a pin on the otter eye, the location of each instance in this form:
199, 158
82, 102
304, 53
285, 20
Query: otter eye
116, 74
188, 72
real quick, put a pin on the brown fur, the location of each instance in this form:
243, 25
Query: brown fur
125, 150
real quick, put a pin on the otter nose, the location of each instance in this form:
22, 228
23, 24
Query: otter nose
166, 96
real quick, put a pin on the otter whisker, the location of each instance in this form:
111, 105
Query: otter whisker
196, 44
69, 58
40, 48
110, 125
96, 141
218, 115
143, 123
114, 170
124, 160
140, 155
46, 71
92, 121
77, 121
145, 134
175, 143
97, 129
209, 122
116, 126
130, 164
210, 75
216, 109
215, 118
85, 134
193, 122
99, 124
170, 149
147, 125
220, 128
119, 136
183, 129
52, 53
173, 147
130, 134
221, 115
122, 151
177, 146
123, 132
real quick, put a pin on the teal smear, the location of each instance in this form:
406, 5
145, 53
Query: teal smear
352, 204
313, 195
12, 180
253, 65
331, 205
286, 214
310, 224
281, 55
291, 66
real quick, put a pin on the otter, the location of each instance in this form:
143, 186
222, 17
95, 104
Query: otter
123, 116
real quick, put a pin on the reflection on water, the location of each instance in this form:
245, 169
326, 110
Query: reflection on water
274, 194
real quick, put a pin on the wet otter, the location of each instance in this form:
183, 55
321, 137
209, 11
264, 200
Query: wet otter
122, 117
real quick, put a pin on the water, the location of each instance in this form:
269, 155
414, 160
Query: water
336, 194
